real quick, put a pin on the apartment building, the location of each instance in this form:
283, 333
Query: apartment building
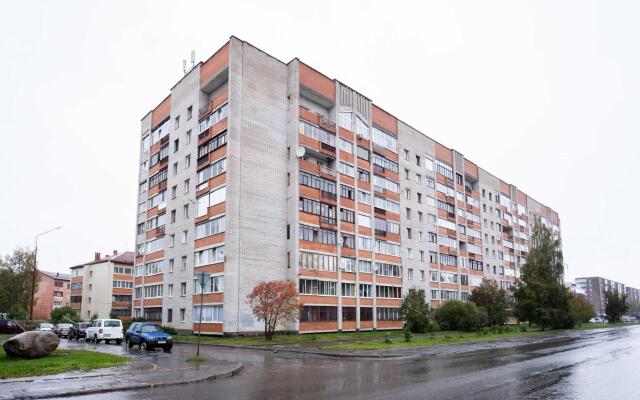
594, 288
103, 286
633, 296
52, 292
253, 169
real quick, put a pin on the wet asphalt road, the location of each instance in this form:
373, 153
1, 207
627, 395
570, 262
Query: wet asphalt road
603, 365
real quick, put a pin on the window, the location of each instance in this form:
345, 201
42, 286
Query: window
215, 284
385, 204
169, 315
444, 169
406, 155
347, 192
347, 216
153, 268
183, 263
431, 183
387, 248
410, 273
319, 262
389, 292
364, 197
384, 225
183, 289
207, 313
185, 211
346, 169
173, 216
383, 163
364, 266
175, 168
159, 156
365, 290
348, 264
189, 112
157, 178
212, 170
348, 240
317, 287
186, 185
213, 118
316, 133
215, 143
188, 137
364, 243
386, 269
362, 129
176, 145
316, 182
318, 314
363, 175
362, 153
152, 291
387, 314
182, 317
209, 256
345, 145
364, 220
326, 211
210, 199
318, 235
408, 210
210, 228
345, 120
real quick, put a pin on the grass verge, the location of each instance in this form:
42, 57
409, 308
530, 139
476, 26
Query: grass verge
59, 361
196, 359
454, 337
285, 339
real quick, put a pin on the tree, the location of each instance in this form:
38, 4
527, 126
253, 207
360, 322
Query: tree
415, 312
541, 297
274, 302
64, 315
583, 310
459, 315
18, 274
615, 305
493, 299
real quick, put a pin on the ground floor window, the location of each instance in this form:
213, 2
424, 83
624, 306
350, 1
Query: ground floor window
348, 313
209, 314
318, 314
388, 314
366, 314
153, 314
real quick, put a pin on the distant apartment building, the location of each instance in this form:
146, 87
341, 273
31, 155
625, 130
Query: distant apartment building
253, 169
594, 288
633, 296
103, 286
52, 292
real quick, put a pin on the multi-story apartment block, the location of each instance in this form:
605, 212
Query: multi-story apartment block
633, 296
103, 286
253, 169
594, 287
52, 292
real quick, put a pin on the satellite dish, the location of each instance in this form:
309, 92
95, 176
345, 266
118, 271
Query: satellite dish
300, 151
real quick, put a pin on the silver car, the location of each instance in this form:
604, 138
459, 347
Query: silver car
44, 327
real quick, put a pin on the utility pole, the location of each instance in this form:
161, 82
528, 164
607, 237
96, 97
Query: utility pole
35, 274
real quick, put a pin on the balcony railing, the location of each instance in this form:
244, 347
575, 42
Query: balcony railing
326, 124
328, 195
328, 171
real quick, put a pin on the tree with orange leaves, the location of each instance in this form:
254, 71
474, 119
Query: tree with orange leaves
274, 302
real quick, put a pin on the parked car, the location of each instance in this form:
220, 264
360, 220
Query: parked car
627, 318
78, 330
44, 327
8, 326
148, 336
130, 330
104, 329
62, 330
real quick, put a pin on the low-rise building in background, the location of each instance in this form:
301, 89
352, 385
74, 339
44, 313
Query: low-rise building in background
52, 292
103, 286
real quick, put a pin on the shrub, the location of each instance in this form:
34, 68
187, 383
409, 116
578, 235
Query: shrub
387, 337
434, 327
407, 335
169, 330
523, 328
460, 315
415, 312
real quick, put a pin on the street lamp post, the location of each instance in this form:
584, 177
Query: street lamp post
35, 273
202, 276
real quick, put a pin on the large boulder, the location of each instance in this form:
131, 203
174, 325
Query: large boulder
31, 344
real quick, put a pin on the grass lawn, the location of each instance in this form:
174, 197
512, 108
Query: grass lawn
454, 337
284, 339
61, 360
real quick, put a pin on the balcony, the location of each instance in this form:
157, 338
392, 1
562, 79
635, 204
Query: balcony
326, 124
159, 231
328, 173
380, 232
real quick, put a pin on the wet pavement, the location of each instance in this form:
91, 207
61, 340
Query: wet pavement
147, 369
598, 364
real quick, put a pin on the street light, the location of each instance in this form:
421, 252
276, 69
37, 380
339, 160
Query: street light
35, 272
202, 277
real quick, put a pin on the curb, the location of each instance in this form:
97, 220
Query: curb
131, 386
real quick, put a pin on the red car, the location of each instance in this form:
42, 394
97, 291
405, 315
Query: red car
10, 327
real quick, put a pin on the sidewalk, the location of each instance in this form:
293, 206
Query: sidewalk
143, 372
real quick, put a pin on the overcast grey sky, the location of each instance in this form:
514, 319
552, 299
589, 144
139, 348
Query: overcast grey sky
544, 94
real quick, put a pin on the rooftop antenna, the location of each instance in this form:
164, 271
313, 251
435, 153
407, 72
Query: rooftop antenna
184, 66
193, 58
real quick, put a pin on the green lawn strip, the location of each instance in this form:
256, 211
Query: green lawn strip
457, 337
284, 339
61, 360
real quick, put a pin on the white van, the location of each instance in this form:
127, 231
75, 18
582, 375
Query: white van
105, 329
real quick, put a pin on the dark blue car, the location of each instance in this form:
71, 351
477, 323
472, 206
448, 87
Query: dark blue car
149, 336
